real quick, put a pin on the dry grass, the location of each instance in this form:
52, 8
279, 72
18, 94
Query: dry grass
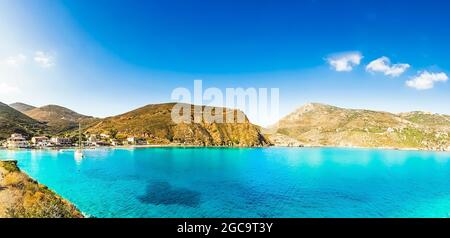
154, 124
23, 197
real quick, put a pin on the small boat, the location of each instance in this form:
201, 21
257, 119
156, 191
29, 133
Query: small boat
79, 152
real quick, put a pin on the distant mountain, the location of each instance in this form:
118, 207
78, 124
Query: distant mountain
154, 123
58, 119
21, 107
325, 125
13, 121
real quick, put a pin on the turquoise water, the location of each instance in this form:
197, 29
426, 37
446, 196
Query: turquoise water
262, 182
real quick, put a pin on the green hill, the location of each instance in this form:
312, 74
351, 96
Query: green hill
13, 121
325, 125
154, 123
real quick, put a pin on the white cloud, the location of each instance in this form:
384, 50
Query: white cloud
383, 65
15, 61
425, 80
8, 89
345, 62
45, 60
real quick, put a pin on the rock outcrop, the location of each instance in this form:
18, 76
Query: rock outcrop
154, 124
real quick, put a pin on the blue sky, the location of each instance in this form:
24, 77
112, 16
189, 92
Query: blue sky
106, 57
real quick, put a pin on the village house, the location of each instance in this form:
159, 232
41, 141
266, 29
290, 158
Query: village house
59, 141
136, 141
104, 136
17, 141
115, 142
91, 140
131, 140
40, 141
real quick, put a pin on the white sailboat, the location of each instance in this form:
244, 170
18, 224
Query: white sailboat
79, 152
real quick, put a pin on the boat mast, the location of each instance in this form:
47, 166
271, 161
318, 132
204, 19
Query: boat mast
79, 135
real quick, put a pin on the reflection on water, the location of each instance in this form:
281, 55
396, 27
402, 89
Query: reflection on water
78, 156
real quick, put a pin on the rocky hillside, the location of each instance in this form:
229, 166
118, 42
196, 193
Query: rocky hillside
22, 197
154, 123
22, 107
324, 125
58, 119
13, 121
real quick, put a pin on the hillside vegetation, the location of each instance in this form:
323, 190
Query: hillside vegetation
22, 197
13, 121
324, 125
58, 119
311, 125
154, 124
21, 107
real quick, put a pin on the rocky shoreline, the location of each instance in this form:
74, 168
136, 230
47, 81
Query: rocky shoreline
23, 197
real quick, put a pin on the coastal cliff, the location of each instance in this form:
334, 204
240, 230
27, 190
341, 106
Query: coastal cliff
154, 124
23, 197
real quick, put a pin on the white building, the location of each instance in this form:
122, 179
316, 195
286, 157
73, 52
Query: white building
40, 141
115, 142
131, 140
58, 141
136, 141
17, 141
105, 136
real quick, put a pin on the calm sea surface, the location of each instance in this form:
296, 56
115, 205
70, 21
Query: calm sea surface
262, 182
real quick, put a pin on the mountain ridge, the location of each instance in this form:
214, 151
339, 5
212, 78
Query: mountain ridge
326, 125
21, 107
59, 119
313, 124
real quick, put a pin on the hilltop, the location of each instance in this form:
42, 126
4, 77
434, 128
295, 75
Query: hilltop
154, 124
13, 121
58, 119
324, 125
22, 107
